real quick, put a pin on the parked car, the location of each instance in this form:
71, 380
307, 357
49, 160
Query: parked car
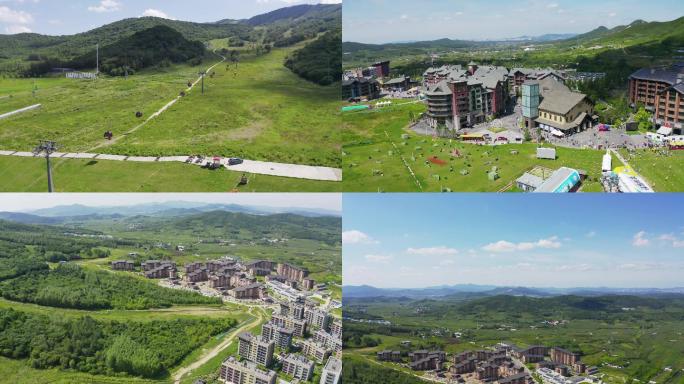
235, 161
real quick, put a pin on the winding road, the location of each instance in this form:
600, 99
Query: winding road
178, 375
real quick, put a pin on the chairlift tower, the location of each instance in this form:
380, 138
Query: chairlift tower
202, 74
47, 148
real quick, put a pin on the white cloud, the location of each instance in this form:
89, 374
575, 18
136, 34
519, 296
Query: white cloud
156, 13
591, 234
507, 246
432, 251
640, 240
356, 237
552, 5
14, 29
447, 262
10, 16
105, 6
672, 239
380, 259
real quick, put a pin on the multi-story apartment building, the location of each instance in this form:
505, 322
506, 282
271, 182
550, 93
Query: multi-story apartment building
331, 341
292, 308
317, 351
360, 87
281, 336
245, 372
123, 265
298, 366
382, 68
247, 292
256, 349
563, 356
298, 325
669, 111
457, 98
292, 272
333, 370
387, 355
646, 84
336, 327
316, 318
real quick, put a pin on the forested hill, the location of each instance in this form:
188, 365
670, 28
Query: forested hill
567, 307
319, 61
290, 226
66, 47
157, 46
281, 28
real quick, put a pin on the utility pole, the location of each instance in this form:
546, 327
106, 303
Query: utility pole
47, 147
97, 59
202, 73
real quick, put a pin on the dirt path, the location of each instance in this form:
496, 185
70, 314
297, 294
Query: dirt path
217, 349
159, 112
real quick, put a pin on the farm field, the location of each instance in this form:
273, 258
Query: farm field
371, 163
72, 175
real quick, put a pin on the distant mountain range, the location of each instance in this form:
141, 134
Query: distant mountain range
78, 212
473, 291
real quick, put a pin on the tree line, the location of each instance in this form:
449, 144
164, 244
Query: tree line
148, 349
71, 286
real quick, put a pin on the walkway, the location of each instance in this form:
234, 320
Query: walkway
296, 171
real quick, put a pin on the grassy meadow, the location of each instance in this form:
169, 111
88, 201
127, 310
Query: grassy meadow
371, 162
257, 110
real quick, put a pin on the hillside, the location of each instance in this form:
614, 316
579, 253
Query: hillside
319, 61
156, 46
280, 28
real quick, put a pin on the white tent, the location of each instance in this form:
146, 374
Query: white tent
665, 131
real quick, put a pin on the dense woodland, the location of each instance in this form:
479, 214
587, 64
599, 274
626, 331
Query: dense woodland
155, 47
84, 344
319, 61
70, 286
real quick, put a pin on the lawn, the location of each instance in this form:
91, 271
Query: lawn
18, 174
372, 163
664, 172
259, 110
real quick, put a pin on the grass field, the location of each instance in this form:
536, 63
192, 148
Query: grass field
664, 173
20, 174
258, 110
372, 163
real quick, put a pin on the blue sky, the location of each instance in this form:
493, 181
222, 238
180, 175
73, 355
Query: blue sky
411, 241
382, 21
65, 17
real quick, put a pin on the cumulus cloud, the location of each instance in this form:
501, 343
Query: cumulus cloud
105, 6
150, 12
507, 246
640, 239
432, 251
356, 237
